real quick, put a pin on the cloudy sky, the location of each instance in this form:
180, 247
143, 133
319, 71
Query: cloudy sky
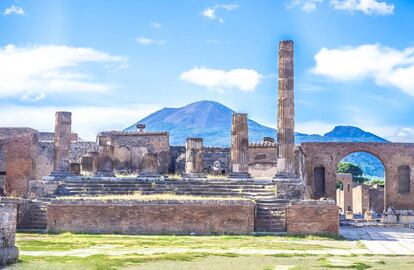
113, 62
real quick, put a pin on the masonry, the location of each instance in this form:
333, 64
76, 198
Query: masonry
8, 250
203, 217
322, 160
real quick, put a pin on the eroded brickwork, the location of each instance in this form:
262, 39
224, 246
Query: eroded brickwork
19, 159
312, 219
8, 250
392, 156
157, 217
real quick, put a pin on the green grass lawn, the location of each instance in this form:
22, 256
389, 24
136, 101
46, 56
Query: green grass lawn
77, 251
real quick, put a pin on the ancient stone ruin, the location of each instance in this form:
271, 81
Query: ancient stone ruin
8, 251
262, 186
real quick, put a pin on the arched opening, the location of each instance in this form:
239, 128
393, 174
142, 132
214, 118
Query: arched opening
360, 184
404, 174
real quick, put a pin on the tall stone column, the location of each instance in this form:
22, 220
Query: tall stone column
286, 111
105, 156
239, 146
62, 140
194, 158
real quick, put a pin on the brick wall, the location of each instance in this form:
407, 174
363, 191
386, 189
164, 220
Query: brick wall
360, 199
8, 251
159, 217
20, 153
312, 219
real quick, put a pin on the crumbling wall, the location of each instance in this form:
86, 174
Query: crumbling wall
8, 250
20, 153
131, 148
155, 217
360, 199
263, 159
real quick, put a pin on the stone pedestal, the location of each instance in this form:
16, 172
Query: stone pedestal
8, 217
286, 111
105, 157
289, 188
62, 140
239, 147
149, 166
194, 158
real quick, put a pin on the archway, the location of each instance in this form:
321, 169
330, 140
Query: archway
360, 182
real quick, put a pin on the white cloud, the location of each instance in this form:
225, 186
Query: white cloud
305, 5
386, 66
404, 135
35, 71
242, 79
313, 127
210, 13
148, 41
156, 25
369, 7
86, 121
13, 10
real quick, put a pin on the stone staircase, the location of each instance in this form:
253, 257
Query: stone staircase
270, 215
246, 189
33, 216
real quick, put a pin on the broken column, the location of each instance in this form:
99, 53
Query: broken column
194, 158
239, 147
105, 156
62, 139
286, 111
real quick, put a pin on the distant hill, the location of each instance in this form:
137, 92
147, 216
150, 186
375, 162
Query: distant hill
212, 121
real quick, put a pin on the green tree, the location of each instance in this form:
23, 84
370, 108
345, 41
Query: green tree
354, 170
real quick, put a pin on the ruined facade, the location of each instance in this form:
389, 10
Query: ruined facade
322, 160
139, 151
344, 195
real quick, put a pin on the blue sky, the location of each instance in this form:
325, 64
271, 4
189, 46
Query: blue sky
113, 62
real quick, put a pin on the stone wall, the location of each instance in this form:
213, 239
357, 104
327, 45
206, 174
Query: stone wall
344, 195
19, 159
131, 148
263, 159
360, 199
155, 217
392, 156
376, 199
8, 250
315, 218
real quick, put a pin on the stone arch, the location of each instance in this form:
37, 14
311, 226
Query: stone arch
391, 155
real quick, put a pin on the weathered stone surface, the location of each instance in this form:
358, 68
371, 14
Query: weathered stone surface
392, 155
8, 251
131, 149
312, 219
156, 217
62, 140
105, 156
239, 154
344, 196
18, 159
286, 110
194, 166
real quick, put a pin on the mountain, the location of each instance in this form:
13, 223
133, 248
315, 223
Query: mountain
212, 121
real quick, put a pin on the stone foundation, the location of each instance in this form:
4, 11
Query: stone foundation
8, 251
313, 217
204, 217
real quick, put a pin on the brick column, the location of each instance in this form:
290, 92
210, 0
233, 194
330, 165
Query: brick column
62, 140
105, 156
286, 111
194, 158
239, 146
